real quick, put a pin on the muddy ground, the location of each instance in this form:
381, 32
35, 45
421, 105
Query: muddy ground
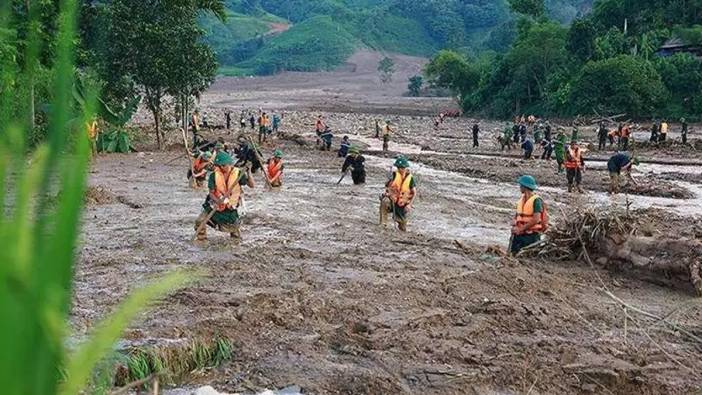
318, 295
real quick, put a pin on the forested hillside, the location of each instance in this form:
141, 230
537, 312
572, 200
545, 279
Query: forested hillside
255, 38
607, 62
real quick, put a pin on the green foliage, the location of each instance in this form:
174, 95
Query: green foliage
581, 39
386, 68
624, 84
157, 46
303, 48
611, 44
452, 71
534, 8
682, 76
415, 85
418, 27
40, 238
114, 141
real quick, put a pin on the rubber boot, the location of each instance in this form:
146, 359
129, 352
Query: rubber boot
201, 234
570, 188
236, 235
383, 220
402, 226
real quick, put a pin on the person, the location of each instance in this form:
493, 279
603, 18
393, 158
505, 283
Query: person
611, 135
574, 134
547, 132
683, 131
559, 147
506, 139
664, 131
246, 154
197, 174
601, 136
537, 134
225, 193
275, 169
205, 122
327, 137
195, 122
655, 129
356, 162
344, 147
242, 122
400, 191
528, 148
262, 127
531, 218
625, 135
386, 136
476, 131
252, 121
618, 162
377, 128
574, 166
547, 146
522, 132
93, 131
515, 133
228, 119
276, 122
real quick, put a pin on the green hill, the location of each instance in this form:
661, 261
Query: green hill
325, 32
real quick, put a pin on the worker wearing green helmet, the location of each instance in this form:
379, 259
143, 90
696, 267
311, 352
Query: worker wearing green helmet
531, 219
400, 191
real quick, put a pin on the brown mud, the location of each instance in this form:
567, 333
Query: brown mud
318, 295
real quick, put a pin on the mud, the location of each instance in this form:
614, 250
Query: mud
320, 296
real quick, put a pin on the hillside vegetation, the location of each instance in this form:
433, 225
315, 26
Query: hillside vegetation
329, 30
603, 63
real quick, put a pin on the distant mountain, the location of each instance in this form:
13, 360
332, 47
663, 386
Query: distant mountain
268, 36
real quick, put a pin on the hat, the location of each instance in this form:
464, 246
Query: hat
527, 182
278, 153
223, 159
402, 163
354, 150
207, 155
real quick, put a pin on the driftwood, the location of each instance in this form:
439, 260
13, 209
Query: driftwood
611, 236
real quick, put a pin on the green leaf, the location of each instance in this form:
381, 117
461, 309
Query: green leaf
108, 331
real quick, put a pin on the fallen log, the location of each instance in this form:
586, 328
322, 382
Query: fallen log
611, 238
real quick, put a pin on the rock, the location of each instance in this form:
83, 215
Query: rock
207, 390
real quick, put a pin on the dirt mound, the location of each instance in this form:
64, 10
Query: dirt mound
99, 196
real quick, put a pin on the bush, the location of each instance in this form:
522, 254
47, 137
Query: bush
624, 84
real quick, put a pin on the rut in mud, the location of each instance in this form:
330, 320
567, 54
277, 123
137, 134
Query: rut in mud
320, 296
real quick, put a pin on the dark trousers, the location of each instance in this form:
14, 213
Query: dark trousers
684, 137
358, 177
602, 144
574, 175
547, 153
522, 241
625, 143
527, 154
475, 140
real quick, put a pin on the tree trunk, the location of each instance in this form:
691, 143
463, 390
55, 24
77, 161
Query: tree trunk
157, 121
665, 258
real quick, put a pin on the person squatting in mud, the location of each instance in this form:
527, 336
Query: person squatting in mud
356, 162
220, 210
197, 174
275, 169
400, 192
618, 162
531, 219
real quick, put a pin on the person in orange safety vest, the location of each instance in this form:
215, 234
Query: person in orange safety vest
400, 192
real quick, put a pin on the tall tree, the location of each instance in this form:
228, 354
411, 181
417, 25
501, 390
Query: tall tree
158, 46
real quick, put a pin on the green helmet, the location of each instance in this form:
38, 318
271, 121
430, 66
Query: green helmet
402, 163
207, 155
354, 150
528, 182
223, 159
278, 153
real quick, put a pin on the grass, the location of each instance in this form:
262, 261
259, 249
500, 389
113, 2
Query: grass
39, 239
174, 364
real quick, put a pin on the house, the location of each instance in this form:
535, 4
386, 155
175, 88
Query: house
677, 45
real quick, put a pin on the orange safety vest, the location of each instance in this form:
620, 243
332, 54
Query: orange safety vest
525, 212
275, 167
227, 186
573, 161
625, 131
399, 189
92, 130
